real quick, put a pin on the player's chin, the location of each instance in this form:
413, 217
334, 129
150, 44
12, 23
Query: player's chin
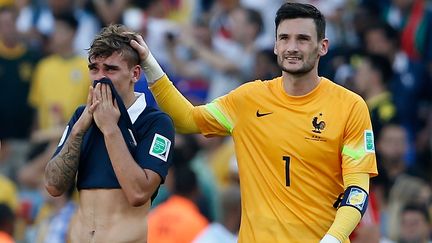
292, 64
292, 69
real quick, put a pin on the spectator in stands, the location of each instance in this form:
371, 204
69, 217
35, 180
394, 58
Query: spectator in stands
415, 225
37, 22
108, 11
30, 175
412, 18
203, 164
267, 10
178, 220
368, 229
219, 14
60, 84
61, 81
157, 25
371, 79
392, 146
8, 192
7, 220
54, 228
406, 190
409, 82
391, 149
245, 25
266, 67
191, 71
217, 56
17, 63
227, 229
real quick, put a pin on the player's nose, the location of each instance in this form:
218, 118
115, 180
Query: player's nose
292, 46
99, 76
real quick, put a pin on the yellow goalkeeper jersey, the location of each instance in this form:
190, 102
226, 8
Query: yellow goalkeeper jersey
292, 153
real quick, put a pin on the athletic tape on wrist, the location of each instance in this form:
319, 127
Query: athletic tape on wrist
152, 69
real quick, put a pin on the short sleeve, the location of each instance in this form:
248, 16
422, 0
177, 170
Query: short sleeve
358, 152
68, 128
154, 150
220, 116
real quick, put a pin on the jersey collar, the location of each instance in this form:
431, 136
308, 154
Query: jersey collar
137, 107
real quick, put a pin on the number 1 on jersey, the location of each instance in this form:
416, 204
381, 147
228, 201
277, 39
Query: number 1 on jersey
287, 174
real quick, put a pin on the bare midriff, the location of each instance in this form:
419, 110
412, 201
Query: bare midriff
105, 215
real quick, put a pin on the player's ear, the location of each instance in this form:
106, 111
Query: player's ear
136, 73
323, 47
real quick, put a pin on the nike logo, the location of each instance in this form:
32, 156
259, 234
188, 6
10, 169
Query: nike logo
258, 114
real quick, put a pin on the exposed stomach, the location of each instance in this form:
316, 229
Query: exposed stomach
105, 215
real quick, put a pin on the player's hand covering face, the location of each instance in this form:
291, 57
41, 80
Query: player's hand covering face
86, 118
107, 113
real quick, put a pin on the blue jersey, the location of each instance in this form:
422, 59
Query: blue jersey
150, 141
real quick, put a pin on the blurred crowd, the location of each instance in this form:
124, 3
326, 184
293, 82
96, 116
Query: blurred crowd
381, 50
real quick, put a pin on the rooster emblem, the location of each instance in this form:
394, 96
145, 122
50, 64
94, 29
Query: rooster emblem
318, 126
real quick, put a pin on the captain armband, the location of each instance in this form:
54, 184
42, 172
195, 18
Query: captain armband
355, 197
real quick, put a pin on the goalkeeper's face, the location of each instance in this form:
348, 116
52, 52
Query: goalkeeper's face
297, 47
117, 69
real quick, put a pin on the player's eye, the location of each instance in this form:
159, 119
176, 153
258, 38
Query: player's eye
303, 38
111, 69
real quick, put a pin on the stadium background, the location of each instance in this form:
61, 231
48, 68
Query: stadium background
381, 50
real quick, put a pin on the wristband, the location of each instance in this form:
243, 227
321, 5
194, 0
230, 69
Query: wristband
152, 69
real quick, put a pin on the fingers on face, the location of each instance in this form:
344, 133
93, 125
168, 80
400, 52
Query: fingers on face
108, 93
115, 104
100, 94
104, 93
90, 95
93, 107
97, 92
92, 99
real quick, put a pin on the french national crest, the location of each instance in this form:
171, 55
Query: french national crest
317, 124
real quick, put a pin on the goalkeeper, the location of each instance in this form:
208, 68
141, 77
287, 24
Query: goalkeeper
304, 145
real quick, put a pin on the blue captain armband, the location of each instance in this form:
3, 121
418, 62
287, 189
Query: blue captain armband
356, 197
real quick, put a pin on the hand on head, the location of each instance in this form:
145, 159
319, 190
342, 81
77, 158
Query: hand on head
150, 66
141, 47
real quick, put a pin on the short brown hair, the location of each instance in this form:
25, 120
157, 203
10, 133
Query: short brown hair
300, 10
115, 38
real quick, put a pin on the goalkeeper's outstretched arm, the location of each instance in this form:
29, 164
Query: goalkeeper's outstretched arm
166, 95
